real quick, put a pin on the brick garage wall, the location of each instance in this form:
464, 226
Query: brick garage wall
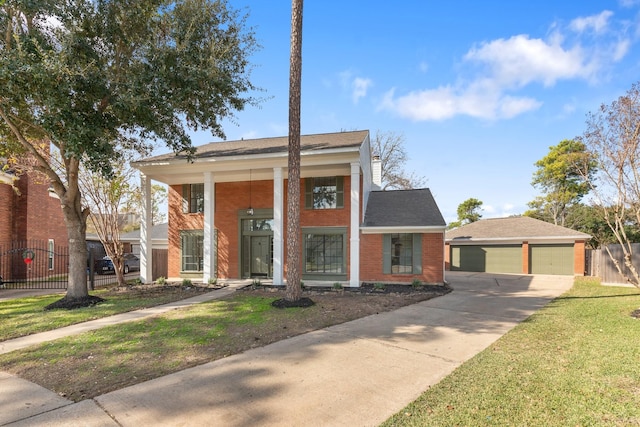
371, 262
579, 253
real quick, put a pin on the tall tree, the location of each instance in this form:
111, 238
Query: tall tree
107, 199
558, 175
87, 76
294, 288
468, 212
389, 146
613, 138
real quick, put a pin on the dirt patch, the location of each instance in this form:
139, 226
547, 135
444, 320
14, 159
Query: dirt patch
84, 370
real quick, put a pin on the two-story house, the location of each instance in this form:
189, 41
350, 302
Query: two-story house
227, 214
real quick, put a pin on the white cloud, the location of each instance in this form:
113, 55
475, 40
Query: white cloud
360, 86
446, 102
520, 60
597, 23
357, 86
500, 69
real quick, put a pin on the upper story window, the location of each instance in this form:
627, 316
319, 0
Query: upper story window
193, 198
324, 192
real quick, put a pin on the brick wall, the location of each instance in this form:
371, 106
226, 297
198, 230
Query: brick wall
32, 213
235, 197
371, 260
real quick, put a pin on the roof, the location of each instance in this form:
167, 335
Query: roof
158, 232
245, 147
403, 208
514, 228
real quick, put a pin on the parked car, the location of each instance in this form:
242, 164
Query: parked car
105, 265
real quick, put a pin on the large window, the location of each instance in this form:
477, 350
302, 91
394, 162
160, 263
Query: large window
193, 198
324, 192
402, 253
325, 252
192, 246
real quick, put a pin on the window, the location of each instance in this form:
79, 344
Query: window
50, 254
193, 198
402, 253
324, 252
192, 245
324, 192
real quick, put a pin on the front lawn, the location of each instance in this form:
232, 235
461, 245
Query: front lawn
26, 316
574, 363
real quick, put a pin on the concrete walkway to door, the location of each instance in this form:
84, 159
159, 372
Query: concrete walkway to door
355, 374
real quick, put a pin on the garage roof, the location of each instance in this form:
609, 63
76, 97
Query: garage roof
415, 209
512, 228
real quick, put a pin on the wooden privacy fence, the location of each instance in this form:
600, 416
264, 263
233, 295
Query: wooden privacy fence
599, 263
160, 263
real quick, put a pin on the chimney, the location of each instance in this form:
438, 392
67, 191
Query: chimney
376, 171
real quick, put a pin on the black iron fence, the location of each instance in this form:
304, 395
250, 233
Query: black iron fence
34, 264
37, 264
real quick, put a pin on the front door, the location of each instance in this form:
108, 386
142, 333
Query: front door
260, 256
256, 247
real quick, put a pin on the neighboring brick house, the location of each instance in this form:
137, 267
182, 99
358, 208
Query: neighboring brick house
227, 214
30, 216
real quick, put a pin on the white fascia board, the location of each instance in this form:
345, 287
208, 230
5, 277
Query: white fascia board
404, 229
517, 240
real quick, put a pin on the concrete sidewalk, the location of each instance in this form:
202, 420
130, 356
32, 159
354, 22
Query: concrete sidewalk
355, 374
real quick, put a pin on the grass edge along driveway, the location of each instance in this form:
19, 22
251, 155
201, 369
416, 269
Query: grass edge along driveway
575, 362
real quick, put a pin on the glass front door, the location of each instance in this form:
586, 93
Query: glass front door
260, 256
257, 247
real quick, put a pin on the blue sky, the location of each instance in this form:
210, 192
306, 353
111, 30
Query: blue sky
479, 89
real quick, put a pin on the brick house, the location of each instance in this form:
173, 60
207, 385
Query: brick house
227, 214
30, 216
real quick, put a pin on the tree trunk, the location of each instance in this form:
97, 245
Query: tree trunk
76, 221
294, 288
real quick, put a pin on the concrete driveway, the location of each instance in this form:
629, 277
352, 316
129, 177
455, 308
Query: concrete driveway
355, 374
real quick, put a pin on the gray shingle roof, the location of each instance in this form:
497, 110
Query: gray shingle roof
402, 208
353, 139
520, 227
158, 231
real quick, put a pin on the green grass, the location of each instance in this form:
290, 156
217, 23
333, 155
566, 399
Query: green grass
100, 361
26, 316
574, 363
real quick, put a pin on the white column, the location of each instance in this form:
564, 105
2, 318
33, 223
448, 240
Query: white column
278, 219
209, 250
146, 249
354, 280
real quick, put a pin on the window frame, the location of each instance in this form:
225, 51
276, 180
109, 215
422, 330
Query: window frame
193, 198
311, 192
193, 234
51, 254
324, 231
388, 253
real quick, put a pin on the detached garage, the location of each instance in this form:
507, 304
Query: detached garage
515, 245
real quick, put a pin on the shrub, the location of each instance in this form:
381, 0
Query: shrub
186, 282
337, 285
416, 283
379, 286
212, 280
161, 281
